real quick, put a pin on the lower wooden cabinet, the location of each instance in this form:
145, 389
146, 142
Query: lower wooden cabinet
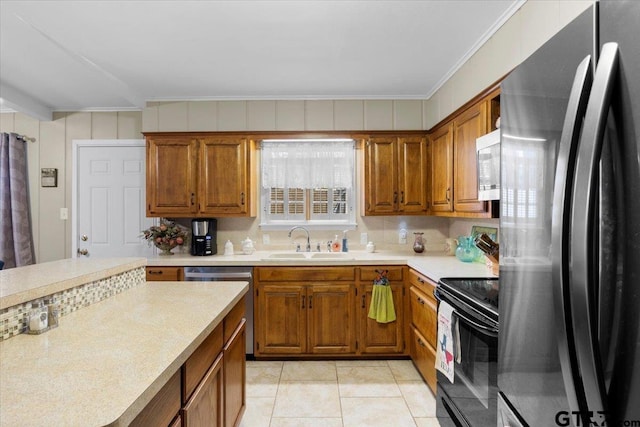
424, 326
312, 311
163, 274
235, 396
381, 338
205, 407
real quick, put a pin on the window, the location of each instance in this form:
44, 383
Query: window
308, 182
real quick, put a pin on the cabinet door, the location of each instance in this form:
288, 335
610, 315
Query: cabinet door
205, 408
281, 322
224, 172
381, 337
412, 170
424, 315
467, 127
442, 169
171, 176
424, 357
380, 176
235, 377
331, 318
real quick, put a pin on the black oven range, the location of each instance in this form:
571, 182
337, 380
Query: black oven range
471, 400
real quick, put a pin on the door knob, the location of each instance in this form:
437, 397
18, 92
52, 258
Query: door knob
83, 252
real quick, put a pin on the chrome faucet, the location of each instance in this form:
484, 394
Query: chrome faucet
307, 231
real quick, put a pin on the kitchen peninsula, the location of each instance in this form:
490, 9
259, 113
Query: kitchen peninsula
106, 363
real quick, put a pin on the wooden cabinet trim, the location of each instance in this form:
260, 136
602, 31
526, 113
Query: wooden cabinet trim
305, 274
189, 412
164, 406
199, 362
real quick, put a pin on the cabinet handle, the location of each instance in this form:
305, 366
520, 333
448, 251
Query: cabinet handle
154, 272
303, 302
421, 343
421, 280
395, 197
193, 199
402, 197
448, 197
363, 300
420, 300
311, 302
242, 198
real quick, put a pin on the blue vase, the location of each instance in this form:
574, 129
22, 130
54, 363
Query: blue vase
465, 251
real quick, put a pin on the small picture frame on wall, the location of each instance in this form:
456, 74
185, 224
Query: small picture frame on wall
492, 232
49, 177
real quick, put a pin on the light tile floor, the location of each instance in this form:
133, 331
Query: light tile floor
350, 393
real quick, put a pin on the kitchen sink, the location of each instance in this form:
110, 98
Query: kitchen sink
309, 256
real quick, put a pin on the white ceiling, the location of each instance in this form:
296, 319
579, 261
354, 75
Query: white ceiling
117, 55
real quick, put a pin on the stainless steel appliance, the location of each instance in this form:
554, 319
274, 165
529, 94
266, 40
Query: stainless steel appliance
203, 237
471, 400
488, 158
222, 274
569, 344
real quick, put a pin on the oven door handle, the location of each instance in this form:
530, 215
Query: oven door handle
487, 330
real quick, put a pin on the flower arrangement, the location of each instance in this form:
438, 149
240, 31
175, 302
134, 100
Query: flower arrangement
166, 236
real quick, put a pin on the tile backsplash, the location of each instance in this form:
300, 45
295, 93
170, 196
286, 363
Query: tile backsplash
14, 320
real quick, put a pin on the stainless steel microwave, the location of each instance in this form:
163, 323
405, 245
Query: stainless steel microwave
488, 157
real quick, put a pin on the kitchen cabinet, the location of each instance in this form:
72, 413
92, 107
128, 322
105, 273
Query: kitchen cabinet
164, 274
381, 338
214, 376
424, 326
200, 175
453, 161
234, 367
305, 311
323, 311
395, 175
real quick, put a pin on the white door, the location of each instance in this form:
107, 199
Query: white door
110, 199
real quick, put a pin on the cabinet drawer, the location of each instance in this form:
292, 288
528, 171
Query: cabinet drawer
306, 274
162, 274
424, 315
424, 357
200, 361
233, 319
426, 285
164, 406
370, 273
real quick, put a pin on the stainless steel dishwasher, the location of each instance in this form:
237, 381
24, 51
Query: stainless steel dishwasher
228, 274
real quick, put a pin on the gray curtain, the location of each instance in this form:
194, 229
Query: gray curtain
16, 244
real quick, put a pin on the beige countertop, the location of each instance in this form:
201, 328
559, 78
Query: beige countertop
433, 265
105, 362
18, 285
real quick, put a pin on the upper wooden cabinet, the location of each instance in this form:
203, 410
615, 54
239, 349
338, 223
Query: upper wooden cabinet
395, 179
453, 160
198, 175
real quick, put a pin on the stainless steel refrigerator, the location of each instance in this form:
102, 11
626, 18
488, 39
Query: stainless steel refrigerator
569, 342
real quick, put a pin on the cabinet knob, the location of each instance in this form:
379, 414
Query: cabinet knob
395, 197
448, 195
193, 199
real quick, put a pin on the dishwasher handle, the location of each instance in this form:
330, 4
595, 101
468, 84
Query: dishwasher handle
226, 276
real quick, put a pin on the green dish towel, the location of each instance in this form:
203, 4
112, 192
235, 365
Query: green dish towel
381, 308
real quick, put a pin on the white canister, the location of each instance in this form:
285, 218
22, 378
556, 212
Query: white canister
371, 247
228, 248
247, 246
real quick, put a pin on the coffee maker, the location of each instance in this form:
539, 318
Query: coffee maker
203, 236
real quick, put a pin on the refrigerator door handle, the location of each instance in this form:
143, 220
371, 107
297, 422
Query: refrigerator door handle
583, 273
560, 225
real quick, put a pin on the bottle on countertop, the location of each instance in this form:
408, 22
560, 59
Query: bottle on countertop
344, 241
335, 245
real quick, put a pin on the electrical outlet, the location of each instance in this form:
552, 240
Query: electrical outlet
402, 237
266, 240
364, 238
64, 214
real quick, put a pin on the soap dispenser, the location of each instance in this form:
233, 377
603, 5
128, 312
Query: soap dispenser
344, 241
